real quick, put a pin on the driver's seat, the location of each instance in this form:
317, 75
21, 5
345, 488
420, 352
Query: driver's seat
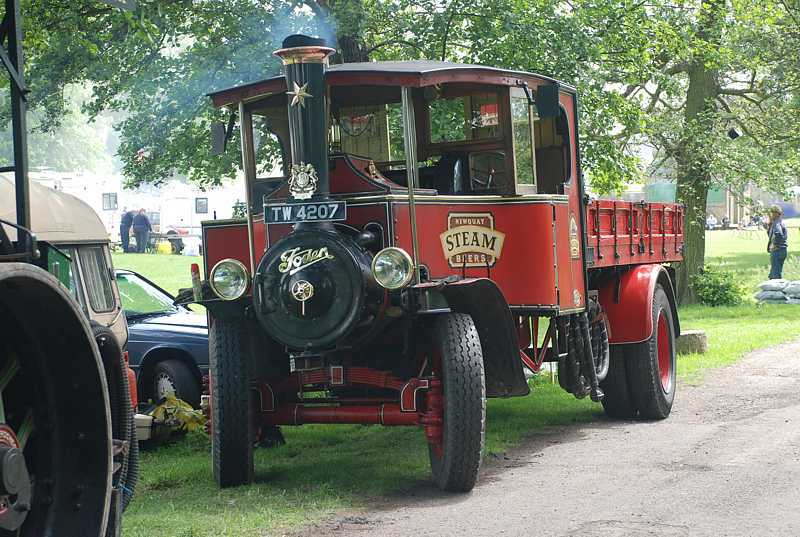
451, 174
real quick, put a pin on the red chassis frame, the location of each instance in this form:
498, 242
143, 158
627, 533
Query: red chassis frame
418, 400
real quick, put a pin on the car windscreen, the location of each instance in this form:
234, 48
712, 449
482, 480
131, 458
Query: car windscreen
140, 298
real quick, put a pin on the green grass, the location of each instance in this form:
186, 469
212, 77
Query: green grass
736, 330
745, 253
323, 469
170, 272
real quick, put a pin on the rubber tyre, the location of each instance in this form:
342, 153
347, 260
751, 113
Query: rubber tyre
456, 341
617, 402
186, 385
123, 426
231, 421
651, 397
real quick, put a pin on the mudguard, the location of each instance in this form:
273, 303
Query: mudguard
485, 303
627, 300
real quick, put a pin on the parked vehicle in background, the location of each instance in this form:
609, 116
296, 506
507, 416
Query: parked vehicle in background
81, 259
167, 344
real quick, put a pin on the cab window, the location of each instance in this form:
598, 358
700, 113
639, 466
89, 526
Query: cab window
96, 278
464, 118
367, 121
553, 157
522, 122
74, 285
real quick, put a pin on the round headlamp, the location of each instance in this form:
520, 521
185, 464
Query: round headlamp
229, 279
392, 268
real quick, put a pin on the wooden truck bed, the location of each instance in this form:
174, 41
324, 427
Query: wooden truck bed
633, 233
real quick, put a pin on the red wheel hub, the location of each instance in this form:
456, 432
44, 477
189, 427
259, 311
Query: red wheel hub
664, 353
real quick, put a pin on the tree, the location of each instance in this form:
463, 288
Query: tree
69, 147
675, 75
714, 68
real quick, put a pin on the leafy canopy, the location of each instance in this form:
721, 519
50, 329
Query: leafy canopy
629, 59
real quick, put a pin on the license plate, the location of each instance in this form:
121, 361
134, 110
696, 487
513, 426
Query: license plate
291, 213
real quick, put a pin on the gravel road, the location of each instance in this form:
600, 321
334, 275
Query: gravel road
726, 463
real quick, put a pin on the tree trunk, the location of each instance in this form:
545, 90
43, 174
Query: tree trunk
694, 175
349, 16
352, 49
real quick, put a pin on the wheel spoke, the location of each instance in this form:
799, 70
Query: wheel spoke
26, 429
8, 372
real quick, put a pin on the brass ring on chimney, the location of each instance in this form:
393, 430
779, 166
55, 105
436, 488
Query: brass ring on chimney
311, 54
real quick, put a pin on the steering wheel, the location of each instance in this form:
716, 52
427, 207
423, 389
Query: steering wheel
483, 176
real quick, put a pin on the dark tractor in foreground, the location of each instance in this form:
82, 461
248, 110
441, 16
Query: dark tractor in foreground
429, 240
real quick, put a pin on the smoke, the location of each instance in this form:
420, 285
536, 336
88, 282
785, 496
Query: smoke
168, 99
303, 20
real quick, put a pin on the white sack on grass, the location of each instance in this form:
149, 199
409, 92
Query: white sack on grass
771, 296
773, 285
792, 289
794, 301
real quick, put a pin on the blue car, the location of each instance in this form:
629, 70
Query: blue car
167, 344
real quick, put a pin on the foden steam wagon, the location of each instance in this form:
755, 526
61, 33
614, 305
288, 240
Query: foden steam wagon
430, 239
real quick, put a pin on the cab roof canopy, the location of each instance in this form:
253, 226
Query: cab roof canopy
56, 217
415, 74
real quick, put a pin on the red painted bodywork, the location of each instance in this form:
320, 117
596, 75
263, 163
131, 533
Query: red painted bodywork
628, 303
535, 269
540, 269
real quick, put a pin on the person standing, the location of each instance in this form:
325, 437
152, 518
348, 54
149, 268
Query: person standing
125, 224
778, 242
141, 229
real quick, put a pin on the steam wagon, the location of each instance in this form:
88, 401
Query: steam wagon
430, 238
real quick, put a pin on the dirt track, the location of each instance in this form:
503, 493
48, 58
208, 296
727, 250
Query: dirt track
726, 463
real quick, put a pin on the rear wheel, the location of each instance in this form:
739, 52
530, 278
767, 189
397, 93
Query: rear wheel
651, 364
231, 420
457, 355
174, 377
617, 402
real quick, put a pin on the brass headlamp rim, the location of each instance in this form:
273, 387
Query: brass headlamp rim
308, 54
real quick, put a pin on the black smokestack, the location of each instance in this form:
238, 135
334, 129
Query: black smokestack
305, 60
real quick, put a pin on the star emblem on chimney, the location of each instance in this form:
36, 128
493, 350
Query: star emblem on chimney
299, 94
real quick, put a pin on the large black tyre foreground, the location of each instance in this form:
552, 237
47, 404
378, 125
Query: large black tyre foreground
57, 415
231, 408
651, 364
176, 377
617, 402
456, 345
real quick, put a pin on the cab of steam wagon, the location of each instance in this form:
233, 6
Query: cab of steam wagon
426, 214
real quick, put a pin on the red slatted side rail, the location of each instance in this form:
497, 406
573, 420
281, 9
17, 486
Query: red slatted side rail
633, 233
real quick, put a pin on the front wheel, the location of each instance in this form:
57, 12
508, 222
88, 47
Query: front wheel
651, 364
457, 358
231, 420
